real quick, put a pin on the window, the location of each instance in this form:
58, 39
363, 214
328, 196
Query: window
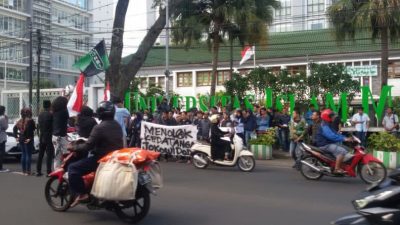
152, 81
184, 79
284, 27
161, 82
285, 10
204, 78
18, 5
143, 83
394, 69
317, 26
223, 76
315, 6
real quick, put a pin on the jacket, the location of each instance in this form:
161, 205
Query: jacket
3, 128
326, 135
250, 123
45, 126
25, 133
60, 122
104, 138
85, 125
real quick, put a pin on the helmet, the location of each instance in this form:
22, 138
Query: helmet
327, 115
214, 118
106, 110
68, 90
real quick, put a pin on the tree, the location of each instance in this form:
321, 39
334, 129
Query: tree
219, 17
44, 83
261, 78
237, 86
120, 75
331, 78
380, 17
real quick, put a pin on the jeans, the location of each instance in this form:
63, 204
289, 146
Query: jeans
283, 135
247, 135
363, 138
78, 169
2, 153
26, 157
295, 152
48, 148
60, 148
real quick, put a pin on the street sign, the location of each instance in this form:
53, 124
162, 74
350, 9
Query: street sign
362, 71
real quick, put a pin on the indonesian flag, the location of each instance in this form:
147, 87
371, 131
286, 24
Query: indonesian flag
76, 101
107, 94
247, 52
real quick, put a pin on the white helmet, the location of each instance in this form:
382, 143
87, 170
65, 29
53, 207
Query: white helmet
214, 118
68, 89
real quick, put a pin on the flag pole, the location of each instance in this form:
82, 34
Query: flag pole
254, 55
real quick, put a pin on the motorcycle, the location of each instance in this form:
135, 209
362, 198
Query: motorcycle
316, 163
59, 197
378, 205
244, 159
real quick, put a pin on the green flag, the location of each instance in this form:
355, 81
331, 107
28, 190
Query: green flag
96, 61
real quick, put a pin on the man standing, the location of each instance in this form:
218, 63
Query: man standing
361, 122
308, 115
60, 124
3, 136
391, 122
283, 124
45, 121
122, 116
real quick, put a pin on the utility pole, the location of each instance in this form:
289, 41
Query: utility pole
30, 62
167, 72
39, 52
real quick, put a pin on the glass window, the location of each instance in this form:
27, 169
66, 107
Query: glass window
223, 76
184, 79
285, 10
161, 82
203, 78
152, 81
315, 6
143, 83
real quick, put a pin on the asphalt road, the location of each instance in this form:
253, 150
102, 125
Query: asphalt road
273, 194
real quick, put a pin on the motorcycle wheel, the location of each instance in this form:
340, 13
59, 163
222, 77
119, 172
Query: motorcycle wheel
307, 171
198, 164
246, 163
133, 211
58, 194
373, 172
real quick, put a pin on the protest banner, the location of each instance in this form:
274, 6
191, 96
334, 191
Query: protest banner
172, 140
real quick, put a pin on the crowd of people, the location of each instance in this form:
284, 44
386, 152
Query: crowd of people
54, 123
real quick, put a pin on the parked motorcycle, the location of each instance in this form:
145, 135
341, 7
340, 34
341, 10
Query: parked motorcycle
316, 163
58, 194
244, 159
378, 205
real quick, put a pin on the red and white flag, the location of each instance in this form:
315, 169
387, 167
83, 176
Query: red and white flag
76, 101
247, 52
107, 93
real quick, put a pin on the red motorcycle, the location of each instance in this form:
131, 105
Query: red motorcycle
316, 163
59, 197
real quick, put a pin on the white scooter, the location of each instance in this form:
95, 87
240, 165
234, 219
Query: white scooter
244, 159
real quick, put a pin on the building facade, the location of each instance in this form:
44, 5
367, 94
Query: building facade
65, 26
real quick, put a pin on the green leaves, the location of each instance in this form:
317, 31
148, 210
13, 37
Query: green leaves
268, 138
384, 141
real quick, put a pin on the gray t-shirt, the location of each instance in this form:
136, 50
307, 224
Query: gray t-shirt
3, 128
390, 121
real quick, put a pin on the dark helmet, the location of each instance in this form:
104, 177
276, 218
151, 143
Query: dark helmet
106, 110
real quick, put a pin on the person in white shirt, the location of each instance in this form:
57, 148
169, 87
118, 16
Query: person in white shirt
361, 122
390, 122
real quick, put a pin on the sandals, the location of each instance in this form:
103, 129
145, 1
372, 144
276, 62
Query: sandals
339, 171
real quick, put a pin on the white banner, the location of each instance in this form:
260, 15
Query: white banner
173, 140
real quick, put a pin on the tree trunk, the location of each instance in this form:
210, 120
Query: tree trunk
113, 74
215, 49
384, 56
120, 76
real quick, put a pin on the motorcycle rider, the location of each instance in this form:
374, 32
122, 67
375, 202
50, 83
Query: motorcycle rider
330, 141
104, 138
219, 148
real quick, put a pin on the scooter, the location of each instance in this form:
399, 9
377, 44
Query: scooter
244, 159
316, 163
378, 205
59, 197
